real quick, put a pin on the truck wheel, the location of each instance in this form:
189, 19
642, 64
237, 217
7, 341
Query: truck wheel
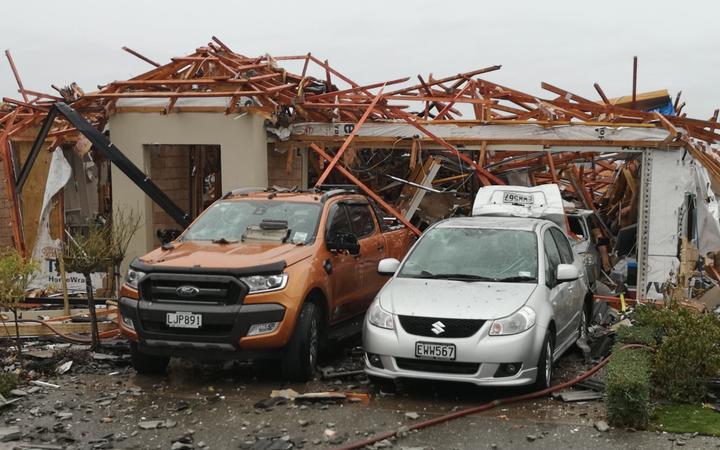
147, 364
301, 354
545, 363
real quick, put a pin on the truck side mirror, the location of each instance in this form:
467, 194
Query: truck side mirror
344, 241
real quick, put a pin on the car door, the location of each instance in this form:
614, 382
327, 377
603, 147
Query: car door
559, 295
344, 276
574, 288
372, 250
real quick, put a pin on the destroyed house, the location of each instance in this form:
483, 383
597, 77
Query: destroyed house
215, 119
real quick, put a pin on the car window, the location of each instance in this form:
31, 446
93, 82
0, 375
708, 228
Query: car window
338, 222
566, 254
361, 220
230, 219
553, 258
474, 253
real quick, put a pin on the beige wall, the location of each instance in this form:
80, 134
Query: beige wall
243, 152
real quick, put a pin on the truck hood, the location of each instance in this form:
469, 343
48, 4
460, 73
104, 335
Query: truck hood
453, 299
237, 255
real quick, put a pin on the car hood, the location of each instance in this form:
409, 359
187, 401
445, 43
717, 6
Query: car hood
237, 255
454, 299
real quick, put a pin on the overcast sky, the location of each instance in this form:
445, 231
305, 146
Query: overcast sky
571, 44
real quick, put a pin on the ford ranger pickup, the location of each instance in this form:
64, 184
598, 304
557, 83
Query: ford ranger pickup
260, 275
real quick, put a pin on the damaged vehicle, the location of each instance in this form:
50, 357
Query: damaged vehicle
261, 275
490, 300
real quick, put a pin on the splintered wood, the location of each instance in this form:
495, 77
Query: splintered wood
215, 78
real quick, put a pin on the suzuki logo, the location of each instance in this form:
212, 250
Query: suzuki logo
438, 327
187, 291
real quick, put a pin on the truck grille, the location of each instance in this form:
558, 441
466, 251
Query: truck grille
451, 328
421, 365
218, 289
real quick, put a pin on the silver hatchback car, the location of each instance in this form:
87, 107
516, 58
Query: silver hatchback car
493, 301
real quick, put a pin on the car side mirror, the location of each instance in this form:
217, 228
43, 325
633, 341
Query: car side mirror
567, 272
344, 241
388, 266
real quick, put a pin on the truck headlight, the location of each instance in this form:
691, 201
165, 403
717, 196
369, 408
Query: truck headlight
523, 319
265, 283
133, 277
379, 317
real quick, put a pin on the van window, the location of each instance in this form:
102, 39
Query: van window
576, 226
566, 254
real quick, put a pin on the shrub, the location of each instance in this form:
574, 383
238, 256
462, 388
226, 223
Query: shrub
688, 354
644, 335
16, 273
8, 382
627, 388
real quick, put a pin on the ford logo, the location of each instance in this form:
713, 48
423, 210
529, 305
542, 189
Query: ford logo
187, 291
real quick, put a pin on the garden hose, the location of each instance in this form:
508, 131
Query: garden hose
490, 405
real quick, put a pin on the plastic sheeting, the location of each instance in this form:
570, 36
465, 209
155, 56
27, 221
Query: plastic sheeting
46, 247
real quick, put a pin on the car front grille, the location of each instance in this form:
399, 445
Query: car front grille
218, 289
159, 326
440, 328
452, 367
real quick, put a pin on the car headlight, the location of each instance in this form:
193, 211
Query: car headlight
265, 283
523, 319
379, 317
133, 277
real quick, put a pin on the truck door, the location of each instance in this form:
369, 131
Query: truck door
372, 250
345, 277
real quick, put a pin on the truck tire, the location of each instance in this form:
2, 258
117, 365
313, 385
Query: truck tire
147, 364
300, 359
545, 363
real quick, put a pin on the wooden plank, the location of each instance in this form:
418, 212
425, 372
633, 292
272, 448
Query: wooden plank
36, 329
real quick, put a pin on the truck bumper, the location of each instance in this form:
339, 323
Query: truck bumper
223, 326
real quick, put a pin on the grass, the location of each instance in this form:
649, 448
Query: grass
685, 418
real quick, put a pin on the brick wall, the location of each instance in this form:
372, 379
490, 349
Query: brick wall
6, 235
169, 170
277, 168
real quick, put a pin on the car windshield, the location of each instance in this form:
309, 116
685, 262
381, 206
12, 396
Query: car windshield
227, 221
474, 254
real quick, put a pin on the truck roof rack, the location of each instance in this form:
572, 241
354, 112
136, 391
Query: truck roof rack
331, 190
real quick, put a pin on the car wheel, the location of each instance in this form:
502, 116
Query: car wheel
386, 385
300, 359
545, 363
147, 364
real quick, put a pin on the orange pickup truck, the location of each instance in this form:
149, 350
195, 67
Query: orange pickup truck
260, 275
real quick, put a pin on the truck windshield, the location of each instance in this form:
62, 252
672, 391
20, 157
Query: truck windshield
227, 221
474, 254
